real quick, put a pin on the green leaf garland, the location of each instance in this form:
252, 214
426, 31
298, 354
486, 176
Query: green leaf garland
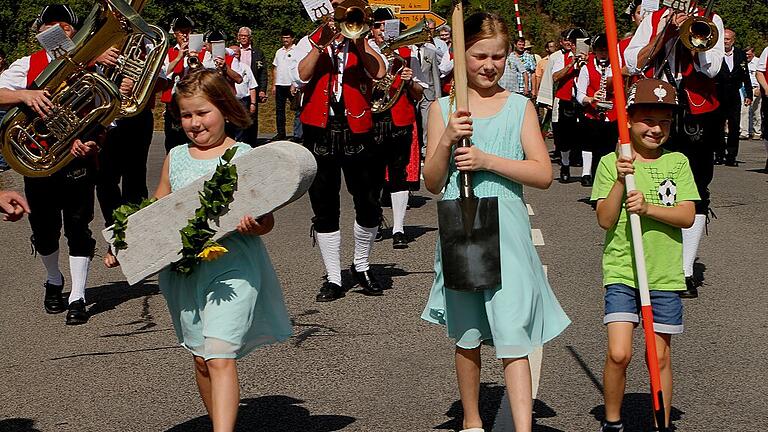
120, 216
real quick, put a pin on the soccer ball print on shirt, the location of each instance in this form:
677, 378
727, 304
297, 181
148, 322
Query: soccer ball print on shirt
667, 192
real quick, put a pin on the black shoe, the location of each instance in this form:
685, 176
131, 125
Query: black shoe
691, 291
278, 137
718, 161
731, 163
53, 302
565, 174
399, 241
366, 281
613, 427
329, 292
586, 180
77, 313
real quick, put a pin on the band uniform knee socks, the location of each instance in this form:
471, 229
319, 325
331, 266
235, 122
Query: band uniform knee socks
51, 264
330, 249
364, 238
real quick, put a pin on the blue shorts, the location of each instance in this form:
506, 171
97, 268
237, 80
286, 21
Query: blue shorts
622, 304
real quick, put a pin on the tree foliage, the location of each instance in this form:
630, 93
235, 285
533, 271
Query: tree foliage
542, 19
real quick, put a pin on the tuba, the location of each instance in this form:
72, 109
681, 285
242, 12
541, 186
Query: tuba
384, 95
141, 57
84, 102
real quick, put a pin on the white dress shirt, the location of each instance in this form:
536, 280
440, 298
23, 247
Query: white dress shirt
283, 63
249, 83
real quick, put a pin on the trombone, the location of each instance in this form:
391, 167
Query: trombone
350, 18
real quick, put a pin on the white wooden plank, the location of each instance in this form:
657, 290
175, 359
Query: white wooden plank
269, 177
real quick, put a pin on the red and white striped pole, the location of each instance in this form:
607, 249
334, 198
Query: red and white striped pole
519, 22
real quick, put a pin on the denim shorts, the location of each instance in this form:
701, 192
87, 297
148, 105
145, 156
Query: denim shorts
622, 304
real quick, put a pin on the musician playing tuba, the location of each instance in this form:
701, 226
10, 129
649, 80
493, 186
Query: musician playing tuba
337, 74
65, 197
394, 118
594, 92
657, 49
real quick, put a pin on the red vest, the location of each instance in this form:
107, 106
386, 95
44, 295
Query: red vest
38, 61
167, 95
565, 92
623, 44
700, 89
447, 80
594, 85
355, 94
403, 111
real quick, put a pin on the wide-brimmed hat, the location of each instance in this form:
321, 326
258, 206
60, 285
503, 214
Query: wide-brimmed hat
652, 92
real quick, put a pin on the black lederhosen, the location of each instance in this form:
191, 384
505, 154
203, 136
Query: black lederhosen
568, 130
123, 158
66, 196
393, 147
600, 137
336, 148
174, 134
696, 136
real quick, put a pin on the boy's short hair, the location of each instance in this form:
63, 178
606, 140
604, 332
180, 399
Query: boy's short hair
652, 92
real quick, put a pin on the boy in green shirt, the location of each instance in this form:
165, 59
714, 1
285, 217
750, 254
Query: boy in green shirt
664, 200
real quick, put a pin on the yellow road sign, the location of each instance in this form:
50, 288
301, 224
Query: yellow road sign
412, 18
409, 5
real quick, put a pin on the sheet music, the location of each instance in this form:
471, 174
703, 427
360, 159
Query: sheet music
218, 50
391, 29
195, 42
56, 42
317, 9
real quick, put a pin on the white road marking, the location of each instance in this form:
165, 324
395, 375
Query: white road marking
530, 209
538, 237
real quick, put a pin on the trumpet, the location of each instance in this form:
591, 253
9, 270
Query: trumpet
351, 18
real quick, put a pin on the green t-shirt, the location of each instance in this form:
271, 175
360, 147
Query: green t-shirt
664, 182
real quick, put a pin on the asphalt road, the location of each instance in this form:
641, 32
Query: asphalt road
371, 364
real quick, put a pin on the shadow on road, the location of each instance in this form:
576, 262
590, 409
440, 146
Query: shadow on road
490, 399
273, 414
413, 232
18, 425
107, 297
636, 413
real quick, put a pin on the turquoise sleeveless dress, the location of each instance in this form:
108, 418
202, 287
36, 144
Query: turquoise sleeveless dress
523, 312
227, 307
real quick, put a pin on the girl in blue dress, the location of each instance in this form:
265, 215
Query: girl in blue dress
507, 153
227, 307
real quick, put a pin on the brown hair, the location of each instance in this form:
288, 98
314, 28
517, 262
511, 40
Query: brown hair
484, 25
212, 86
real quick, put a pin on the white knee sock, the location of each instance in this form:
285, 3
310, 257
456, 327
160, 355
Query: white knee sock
330, 249
51, 264
78, 268
691, 239
565, 158
364, 238
587, 165
399, 206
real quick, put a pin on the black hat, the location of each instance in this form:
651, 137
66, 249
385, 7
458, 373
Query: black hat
57, 13
631, 6
599, 41
182, 22
575, 33
383, 14
215, 36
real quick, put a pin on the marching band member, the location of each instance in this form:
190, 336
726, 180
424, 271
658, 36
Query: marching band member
64, 198
593, 91
393, 128
175, 67
228, 66
565, 69
337, 122
695, 132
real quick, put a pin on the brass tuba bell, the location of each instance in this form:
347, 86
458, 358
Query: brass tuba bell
699, 33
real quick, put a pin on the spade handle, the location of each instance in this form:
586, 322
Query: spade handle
465, 177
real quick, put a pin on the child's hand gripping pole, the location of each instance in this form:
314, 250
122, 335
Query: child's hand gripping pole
634, 220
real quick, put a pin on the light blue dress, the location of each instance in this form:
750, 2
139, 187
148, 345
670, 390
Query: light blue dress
523, 312
227, 307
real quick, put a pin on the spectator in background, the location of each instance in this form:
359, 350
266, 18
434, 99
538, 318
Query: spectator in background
440, 44
245, 92
516, 77
733, 76
282, 84
445, 34
750, 115
254, 58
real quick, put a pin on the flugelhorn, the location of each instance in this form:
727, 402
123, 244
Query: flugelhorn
84, 102
383, 95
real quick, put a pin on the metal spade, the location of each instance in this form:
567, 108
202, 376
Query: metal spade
469, 238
